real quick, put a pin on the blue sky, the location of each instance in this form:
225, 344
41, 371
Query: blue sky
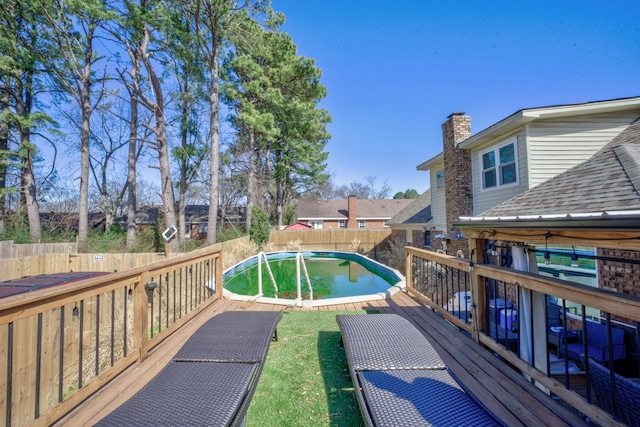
394, 71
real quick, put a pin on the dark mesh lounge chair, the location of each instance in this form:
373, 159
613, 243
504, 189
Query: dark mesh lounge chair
399, 378
627, 394
212, 378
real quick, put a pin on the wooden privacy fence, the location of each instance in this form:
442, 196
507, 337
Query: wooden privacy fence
61, 344
531, 321
15, 268
9, 249
364, 241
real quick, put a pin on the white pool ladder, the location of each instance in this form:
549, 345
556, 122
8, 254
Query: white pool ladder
262, 255
300, 262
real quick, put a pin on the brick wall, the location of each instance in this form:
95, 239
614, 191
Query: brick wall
619, 276
457, 177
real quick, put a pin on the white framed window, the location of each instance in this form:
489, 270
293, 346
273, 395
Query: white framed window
362, 223
499, 165
317, 225
203, 228
342, 223
384, 223
440, 179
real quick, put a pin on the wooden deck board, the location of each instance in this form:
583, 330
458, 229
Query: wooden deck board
501, 389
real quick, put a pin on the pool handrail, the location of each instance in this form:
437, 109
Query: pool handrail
273, 280
300, 261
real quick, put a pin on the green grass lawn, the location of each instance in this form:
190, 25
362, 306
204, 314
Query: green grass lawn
305, 381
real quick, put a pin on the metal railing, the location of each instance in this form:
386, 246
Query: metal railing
262, 256
59, 345
300, 263
541, 325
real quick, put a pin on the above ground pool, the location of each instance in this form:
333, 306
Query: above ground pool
334, 278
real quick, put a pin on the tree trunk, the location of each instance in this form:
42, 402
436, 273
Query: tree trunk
168, 199
85, 97
214, 166
29, 193
29, 200
132, 158
251, 177
4, 146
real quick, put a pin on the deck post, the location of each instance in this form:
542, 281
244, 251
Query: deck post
478, 306
407, 270
141, 316
218, 264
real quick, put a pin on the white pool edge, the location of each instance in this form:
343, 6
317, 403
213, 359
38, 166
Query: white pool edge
400, 286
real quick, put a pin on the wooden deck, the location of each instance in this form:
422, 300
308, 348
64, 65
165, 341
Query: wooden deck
501, 389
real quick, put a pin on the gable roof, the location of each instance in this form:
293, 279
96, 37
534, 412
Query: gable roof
605, 187
417, 212
528, 115
337, 209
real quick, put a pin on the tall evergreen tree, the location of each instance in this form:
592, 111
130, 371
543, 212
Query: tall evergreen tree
22, 50
276, 93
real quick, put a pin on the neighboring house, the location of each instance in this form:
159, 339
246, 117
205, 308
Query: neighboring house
351, 213
64, 222
413, 223
196, 219
476, 173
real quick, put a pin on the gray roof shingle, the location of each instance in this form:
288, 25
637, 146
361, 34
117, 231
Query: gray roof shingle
417, 212
338, 208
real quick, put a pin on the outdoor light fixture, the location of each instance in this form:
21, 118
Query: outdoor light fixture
75, 314
574, 258
492, 248
150, 287
130, 294
547, 255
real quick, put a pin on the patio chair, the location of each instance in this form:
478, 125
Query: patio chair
212, 378
399, 378
627, 394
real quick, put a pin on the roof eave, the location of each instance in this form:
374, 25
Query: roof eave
607, 223
434, 161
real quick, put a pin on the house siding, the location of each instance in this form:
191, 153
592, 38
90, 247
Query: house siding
438, 203
486, 199
559, 144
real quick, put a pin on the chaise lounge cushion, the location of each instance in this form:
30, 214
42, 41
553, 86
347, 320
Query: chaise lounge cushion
240, 336
399, 378
188, 394
212, 378
416, 397
385, 342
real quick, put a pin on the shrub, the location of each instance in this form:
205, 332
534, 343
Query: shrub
259, 231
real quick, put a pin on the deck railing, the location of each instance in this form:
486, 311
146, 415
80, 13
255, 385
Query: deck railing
59, 345
541, 325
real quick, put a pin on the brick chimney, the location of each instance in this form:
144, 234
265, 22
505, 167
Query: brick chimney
457, 170
352, 221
